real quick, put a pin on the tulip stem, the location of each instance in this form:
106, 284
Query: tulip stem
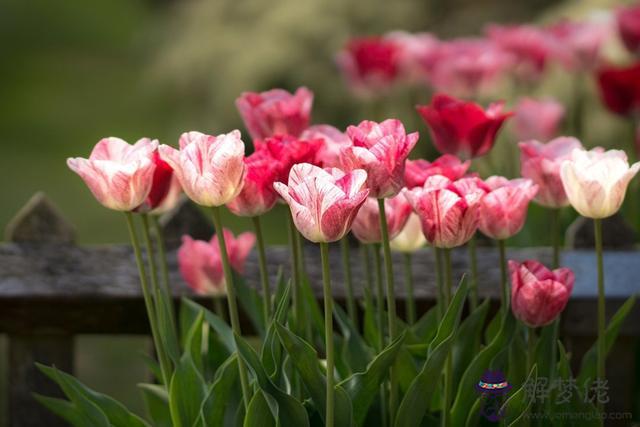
410, 305
377, 262
231, 302
601, 349
438, 262
264, 273
555, 243
531, 347
346, 266
504, 296
473, 264
448, 375
164, 268
328, 330
295, 273
368, 278
148, 301
218, 307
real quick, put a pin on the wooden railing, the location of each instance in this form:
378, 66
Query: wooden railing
52, 289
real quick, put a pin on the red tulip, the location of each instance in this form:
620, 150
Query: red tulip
628, 19
370, 63
620, 88
328, 155
161, 183
366, 226
200, 262
541, 164
462, 128
539, 295
286, 151
172, 198
537, 119
275, 112
119, 175
257, 196
448, 210
323, 203
381, 149
503, 210
416, 172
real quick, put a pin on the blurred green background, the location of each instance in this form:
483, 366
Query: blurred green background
76, 71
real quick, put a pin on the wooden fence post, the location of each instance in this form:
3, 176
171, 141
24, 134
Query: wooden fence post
38, 223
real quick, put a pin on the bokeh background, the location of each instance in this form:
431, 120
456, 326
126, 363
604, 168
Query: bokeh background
76, 71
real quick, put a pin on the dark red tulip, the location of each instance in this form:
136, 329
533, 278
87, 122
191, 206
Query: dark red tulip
620, 88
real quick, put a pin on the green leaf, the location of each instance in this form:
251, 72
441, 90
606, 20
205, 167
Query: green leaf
406, 368
315, 313
271, 355
166, 330
414, 404
282, 285
542, 351
466, 340
65, 410
473, 419
193, 343
517, 364
186, 392
588, 367
157, 403
519, 403
152, 365
355, 352
493, 327
286, 410
218, 325
252, 303
258, 413
426, 327
305, 360
89, 400
466, 393
218, 404
364, 387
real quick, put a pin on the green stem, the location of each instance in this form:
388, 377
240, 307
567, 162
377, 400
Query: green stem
577, 114
368, 285
296, 276
473, 263
328, 329
264, 273
148, 301
531, 348
439, 281
164, 269
391, 306
410, 305
231, 302
601, 349
555, 243
448, 376
218, 307
346, 267
504, 295
377, 262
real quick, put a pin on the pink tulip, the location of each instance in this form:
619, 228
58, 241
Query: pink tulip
410, 238
537, 119
210, 168
161, 184
323, 203
284, 151
381, 149
417, 171
416, 54
328, 155
539, 295
366, 226
369, 64
541, 164
119, 175
578, 44
503, 210
462, 128
628, 19
257, 196
448, 210
201, 264
275, 112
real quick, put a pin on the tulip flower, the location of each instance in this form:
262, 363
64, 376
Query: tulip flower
579, 43
416, 54
257, 196
366, 226
381, 149
503, 209
410, 238
537, 119
538, 295
161, 184
417, 171
210, 168
448, 210
462, 128
200, 262
541, 164
275, 112
119, 175
620, 88
285, 151
596, 181
328, 154
323, 203
369, 63
628, 20
171, 199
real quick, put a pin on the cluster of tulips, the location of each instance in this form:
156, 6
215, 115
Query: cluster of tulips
396, 372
